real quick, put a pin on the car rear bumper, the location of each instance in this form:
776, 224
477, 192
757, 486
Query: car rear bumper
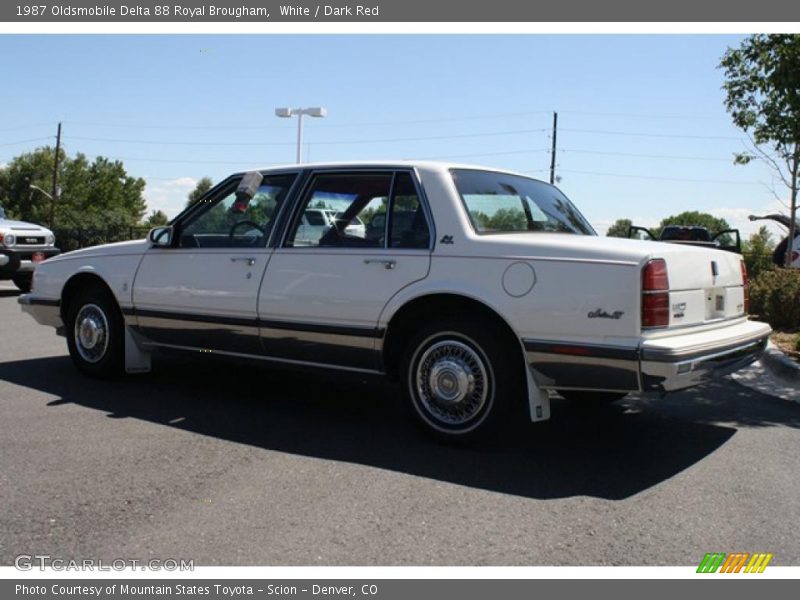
662, 364
44, 311
679, 362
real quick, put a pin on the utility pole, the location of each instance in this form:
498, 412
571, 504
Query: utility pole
54, 191
553, 151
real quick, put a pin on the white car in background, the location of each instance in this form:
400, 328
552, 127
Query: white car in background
490, 291
22, 247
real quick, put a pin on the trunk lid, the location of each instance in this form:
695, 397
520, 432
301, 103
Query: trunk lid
705, 285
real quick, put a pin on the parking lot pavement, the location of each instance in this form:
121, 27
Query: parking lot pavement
228, 463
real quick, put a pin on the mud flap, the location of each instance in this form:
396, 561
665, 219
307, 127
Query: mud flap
538, 400
136, 359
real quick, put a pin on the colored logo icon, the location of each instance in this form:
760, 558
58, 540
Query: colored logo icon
737, 562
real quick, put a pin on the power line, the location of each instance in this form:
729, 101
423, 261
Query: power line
316, 143
638, 115
19, 127
654, 135
638, 155
323, 125
505, 153
329, 124
658, 178
49, 137
177, 160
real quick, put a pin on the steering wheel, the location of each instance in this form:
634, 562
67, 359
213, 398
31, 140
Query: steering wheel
240, 223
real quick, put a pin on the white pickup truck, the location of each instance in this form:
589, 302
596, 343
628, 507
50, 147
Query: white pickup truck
491, 291
22, 246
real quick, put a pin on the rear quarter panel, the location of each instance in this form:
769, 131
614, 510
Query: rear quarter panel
558, 305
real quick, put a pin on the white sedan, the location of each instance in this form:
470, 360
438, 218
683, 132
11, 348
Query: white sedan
483, 291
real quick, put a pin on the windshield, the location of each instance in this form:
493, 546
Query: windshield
500, 203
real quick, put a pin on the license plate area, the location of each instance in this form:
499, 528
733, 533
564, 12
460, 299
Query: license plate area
37, 257
716, 303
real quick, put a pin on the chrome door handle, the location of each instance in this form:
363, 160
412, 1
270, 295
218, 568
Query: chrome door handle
387, 263
247, 259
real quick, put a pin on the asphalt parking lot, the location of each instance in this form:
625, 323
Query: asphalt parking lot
230, 464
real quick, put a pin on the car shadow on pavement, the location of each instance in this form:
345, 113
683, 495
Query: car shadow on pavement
611, 452
6, 293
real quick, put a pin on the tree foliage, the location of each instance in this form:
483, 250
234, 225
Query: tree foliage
503, 219
93, 194
757, 251
619, 228
762, 86
199, 190
156, 218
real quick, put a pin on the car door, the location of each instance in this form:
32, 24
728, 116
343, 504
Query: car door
202, 291
322, 295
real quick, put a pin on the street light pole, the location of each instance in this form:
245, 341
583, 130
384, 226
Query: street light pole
50, 197
299, 137
54, 194
286, 113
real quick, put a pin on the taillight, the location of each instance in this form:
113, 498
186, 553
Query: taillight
745, 287
655, 294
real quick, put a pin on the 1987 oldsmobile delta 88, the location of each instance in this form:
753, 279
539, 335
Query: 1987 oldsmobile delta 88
476, 289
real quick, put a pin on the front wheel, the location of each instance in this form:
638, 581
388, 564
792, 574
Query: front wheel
95, 333
460, 379
23, 281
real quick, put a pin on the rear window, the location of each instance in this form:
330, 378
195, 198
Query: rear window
500, 203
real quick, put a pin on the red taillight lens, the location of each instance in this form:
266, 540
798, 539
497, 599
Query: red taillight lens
746, 287
655, 294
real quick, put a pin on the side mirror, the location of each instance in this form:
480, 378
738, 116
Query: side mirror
161, 236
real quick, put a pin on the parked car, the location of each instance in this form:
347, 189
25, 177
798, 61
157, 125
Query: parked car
779, 254
692, 235
496, 293
22, 246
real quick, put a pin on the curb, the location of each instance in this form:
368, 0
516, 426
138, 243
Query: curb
780, 364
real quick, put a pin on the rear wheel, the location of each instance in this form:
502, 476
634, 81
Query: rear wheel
458, 379
23, 281
95, 333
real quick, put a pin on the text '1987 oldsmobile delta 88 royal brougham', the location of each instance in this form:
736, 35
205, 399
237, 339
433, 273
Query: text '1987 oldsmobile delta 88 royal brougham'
478, 290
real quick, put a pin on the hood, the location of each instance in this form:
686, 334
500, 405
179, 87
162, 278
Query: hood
8, 224
136, 247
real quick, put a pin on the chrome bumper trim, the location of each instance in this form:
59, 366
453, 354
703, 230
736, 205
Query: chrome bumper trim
566, 365
43, 310
666, 376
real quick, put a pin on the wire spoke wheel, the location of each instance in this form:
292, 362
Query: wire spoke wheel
91, 333
452, 383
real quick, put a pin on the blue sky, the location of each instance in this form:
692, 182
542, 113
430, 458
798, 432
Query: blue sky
642, 128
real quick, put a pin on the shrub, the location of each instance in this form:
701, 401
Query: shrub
775, 298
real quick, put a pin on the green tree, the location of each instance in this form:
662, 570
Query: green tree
32, 168
156, 218
757, 252
619, 228
762, 86
503, 219
96, 194
201, 188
